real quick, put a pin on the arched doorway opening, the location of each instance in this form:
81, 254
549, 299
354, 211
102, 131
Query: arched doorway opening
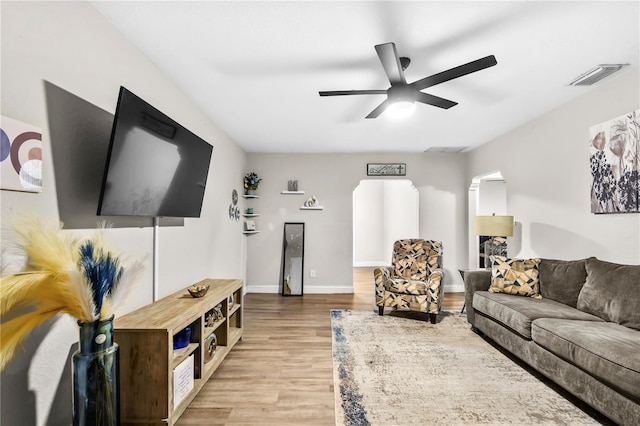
384, 210
487, 196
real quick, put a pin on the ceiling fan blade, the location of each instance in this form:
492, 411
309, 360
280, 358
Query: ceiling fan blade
352, 92
459, 71
437, 101
379, 110
391, 63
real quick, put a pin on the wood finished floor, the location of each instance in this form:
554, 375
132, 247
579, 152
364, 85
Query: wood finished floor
281, 372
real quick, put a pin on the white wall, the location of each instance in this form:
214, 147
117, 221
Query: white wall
368, 221
384, 211
332, 178
546, 166
65, 52
401, 210
492, 198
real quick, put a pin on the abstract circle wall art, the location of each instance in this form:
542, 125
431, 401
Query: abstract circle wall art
20, 156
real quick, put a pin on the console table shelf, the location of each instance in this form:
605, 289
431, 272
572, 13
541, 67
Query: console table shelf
180, 355
147, 357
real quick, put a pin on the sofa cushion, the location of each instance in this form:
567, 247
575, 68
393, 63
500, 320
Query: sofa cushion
612, 292
605, 350
515, 276
562, 280
517, 313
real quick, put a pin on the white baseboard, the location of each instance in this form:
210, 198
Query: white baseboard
370, 264
262, 288
317, 289
321, 289
312, 289
454, 288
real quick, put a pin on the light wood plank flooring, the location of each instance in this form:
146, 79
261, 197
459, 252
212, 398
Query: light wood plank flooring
281, 372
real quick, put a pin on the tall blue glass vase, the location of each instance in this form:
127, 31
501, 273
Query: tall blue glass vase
95, 376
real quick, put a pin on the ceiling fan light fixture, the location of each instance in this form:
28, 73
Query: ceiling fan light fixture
401, 109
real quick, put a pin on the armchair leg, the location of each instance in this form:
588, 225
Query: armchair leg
432, 318
380, 310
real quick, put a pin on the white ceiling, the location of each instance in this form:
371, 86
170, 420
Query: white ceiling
256, 67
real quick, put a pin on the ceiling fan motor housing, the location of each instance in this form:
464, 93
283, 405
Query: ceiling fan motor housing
401, 93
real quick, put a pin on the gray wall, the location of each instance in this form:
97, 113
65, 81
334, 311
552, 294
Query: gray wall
332, 178
62, 66
546, 166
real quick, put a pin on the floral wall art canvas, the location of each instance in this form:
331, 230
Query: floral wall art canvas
20, 156
615, 165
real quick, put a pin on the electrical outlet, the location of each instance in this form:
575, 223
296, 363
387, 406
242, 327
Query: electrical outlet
312, 273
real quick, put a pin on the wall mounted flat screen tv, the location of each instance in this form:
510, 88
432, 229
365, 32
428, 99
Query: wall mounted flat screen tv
155, 167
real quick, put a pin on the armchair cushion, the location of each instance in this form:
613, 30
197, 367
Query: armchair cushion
415, 287
410, 259
403, 286
409, 266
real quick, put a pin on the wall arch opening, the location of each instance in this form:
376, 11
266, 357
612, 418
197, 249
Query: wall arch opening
384, 210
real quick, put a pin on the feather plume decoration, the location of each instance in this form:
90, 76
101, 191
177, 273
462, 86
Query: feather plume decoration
40, 296
62, 275
47, 249
101, 270
134, 269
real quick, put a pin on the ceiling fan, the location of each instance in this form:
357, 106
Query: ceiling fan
403, 92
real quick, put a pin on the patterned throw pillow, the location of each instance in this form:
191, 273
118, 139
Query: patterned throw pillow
515, 276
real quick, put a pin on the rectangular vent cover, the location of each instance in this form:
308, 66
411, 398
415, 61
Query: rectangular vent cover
596, 74
446, 149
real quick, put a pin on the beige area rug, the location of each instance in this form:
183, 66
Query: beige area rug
398, 371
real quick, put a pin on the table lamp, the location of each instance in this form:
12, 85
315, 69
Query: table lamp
498, 228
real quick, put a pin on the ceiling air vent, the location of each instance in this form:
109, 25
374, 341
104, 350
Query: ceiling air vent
596, 74
446, 149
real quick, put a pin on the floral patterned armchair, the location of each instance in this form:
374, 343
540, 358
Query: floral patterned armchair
414, 279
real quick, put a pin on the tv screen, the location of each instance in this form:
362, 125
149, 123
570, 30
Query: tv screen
155, 167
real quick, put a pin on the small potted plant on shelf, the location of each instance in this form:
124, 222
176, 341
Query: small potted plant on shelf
251, 181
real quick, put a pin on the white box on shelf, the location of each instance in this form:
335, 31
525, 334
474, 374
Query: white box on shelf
182, 380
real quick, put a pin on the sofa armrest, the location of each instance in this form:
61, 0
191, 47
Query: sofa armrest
474, 281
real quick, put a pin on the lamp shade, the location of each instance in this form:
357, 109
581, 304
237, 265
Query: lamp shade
493, 226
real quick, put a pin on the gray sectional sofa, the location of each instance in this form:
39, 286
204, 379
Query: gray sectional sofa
583, 334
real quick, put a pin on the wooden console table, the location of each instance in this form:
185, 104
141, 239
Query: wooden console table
148, 362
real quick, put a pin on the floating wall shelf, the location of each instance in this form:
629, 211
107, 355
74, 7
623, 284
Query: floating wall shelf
292, 192
250, 215
250, 196
251, 232
312, 208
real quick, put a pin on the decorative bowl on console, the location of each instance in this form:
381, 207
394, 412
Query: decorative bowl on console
198, 290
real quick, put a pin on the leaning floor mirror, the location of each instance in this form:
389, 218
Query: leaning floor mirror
292, 259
